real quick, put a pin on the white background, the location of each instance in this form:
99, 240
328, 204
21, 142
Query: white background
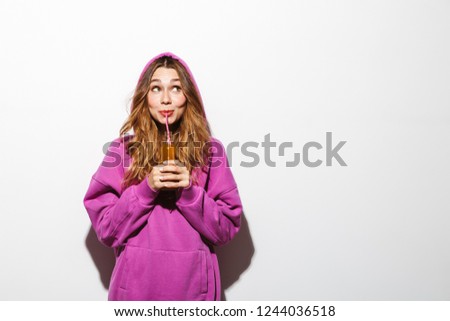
375, 74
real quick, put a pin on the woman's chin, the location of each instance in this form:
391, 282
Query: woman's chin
162, 120
171, 122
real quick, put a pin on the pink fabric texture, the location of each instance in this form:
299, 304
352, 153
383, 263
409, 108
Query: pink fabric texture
164, 240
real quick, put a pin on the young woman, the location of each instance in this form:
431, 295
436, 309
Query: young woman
163, 219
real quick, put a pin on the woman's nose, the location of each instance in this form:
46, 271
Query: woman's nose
165, 99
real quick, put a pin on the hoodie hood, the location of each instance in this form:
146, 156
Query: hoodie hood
172, 55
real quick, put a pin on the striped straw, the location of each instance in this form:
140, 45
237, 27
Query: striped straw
167, 129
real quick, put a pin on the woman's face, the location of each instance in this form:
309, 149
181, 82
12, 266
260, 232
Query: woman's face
165, 96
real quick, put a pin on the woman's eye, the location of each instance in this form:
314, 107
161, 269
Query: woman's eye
158, 89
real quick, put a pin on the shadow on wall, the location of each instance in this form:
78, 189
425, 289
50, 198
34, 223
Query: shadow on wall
102, 256
234, 258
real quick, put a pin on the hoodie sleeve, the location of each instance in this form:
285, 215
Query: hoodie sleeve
114, 214
215, 212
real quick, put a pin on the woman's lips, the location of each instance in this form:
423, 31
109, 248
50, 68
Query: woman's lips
166, 112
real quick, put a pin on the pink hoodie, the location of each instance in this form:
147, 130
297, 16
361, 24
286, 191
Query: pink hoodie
164, 241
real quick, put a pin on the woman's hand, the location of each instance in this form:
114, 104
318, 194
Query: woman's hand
171, 176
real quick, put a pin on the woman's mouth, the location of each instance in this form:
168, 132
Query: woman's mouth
167, 113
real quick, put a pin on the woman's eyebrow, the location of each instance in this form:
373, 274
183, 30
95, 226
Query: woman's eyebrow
159, 80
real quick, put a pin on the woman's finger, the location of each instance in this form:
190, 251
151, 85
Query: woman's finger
169, 177
170, 184
170, 169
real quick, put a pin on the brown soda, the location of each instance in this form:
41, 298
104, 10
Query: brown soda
168, 151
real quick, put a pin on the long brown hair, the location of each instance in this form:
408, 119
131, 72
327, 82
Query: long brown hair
190, 137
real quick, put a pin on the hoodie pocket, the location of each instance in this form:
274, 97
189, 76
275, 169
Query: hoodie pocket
165, 275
